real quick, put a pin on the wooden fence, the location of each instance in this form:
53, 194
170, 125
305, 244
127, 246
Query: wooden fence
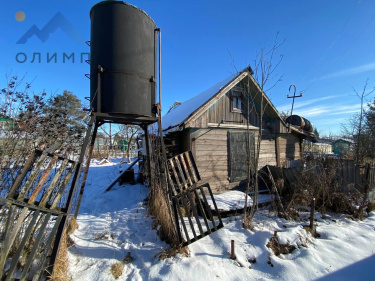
33, 212
349, 175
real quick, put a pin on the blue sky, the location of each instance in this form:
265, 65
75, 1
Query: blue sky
328, 49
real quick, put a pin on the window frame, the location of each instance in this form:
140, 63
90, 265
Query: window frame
236, 99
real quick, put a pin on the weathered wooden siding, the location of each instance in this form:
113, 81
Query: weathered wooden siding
210, 149
290, 148
267, 155
221, 111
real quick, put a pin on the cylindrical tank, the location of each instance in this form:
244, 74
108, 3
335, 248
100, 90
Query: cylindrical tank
303, 123
123, 43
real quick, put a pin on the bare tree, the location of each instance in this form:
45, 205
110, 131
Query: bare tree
109, 135
128, 132
355, 127
265, 65
32, 121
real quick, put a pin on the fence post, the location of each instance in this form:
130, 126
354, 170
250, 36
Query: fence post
312, 216
232, 252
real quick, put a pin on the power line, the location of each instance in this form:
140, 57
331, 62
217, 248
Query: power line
332, 43
347, 49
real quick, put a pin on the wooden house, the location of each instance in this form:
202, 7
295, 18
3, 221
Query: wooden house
215, 126
318, 148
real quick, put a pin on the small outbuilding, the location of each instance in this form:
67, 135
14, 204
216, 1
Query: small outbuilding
216, 126
343, 146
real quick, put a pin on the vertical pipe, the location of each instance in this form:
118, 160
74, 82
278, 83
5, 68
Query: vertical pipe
99, 91
148, 158
312, 216
160, 67
155, 61
232, 252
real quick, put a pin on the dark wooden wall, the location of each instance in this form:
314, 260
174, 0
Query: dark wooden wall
210, 149
221, 110
290, 147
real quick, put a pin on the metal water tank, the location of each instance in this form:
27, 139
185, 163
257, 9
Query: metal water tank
123, 44
301, 122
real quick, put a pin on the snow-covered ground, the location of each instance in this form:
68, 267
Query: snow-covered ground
116, 223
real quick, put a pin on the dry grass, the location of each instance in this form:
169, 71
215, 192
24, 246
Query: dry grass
116, 269
104, 235
128, 258
370, 206
319, 181
158, 207
166, 254
278, 248
71, 226
61, 267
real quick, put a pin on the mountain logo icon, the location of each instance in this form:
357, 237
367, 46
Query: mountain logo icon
58, 21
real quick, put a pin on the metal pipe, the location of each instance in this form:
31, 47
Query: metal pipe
155, 62
99, 90
160, 69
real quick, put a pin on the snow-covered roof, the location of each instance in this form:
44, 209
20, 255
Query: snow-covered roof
179, 114
344, 140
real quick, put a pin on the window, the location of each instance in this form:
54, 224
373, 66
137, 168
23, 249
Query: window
236, 100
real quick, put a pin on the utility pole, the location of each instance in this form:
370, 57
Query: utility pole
292, 97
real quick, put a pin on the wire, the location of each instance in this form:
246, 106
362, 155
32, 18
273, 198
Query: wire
347, 49
332, 43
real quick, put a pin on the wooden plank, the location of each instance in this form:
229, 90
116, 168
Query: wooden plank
212, 162
215, 141
171, 184
42, 180
191, 167
208, 153
210, 158
20, 177
170, 161
207, 133
182, 220
208, 209
179, 168
183, 163
9, 238
201, 209
52, 186
203, 169
267, 155
22, 245
119, 177
48, 244
204, 165
212, 148
192, 204
32, 177
30, 258
188, 216
206, 174
215, 206
63, 186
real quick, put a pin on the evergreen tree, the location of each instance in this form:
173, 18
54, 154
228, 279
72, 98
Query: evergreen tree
63, 122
